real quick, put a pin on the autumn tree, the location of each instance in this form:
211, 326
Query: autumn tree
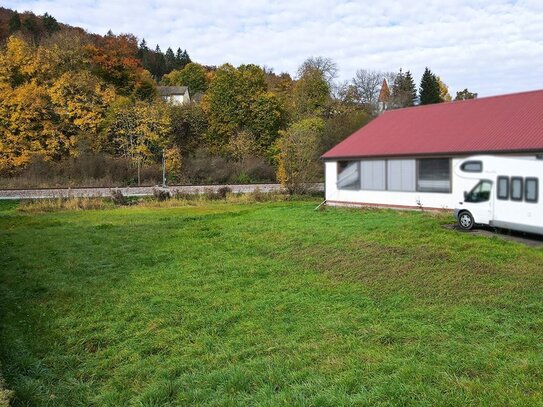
237, 99
80, 101
188, 127
325, 66
192, 75
443, 90
115, 60
311, 93
29, 127
341, 125
298, 147
465, 95
139, 131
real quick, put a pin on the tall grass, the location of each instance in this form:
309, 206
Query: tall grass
64, 204
205, 197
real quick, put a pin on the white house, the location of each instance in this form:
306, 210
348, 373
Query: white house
177, 95
405, 158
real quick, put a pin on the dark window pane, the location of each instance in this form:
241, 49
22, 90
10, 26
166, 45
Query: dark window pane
531, 189
480, 193
516, 189
434, 175
503, 188
472, 166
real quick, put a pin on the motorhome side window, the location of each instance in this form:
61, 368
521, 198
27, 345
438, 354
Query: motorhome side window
531, 189
348, 175
516, 189
472, 166
503, 187
480, 193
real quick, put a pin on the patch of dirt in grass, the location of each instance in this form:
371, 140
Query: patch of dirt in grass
528, 239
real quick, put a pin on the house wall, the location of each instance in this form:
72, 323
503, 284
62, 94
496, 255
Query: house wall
395, 199
178, 99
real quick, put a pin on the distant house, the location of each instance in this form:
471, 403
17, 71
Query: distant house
177, 95
405, 158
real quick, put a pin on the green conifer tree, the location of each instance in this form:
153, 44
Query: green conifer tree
429, 89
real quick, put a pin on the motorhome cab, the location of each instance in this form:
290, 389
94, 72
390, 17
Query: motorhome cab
506, 195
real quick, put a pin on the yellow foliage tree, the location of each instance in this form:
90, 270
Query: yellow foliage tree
16, 62
139, 131
29, 127
81, 100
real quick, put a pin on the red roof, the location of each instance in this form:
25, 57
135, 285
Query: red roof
506, 123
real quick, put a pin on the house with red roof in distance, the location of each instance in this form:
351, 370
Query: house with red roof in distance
405, 158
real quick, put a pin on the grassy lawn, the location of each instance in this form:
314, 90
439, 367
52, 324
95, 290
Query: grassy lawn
269, 304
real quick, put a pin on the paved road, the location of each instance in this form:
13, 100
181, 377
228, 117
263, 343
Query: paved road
134, 191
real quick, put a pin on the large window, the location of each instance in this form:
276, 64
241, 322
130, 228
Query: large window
373, 174
348, 175
401, 175
434, 175
423, 175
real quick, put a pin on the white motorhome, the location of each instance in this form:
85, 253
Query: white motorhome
506, 194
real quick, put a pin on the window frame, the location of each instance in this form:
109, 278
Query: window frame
506, 198
462, 167
536, 180
513, 179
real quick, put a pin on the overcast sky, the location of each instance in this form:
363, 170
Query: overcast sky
491, 47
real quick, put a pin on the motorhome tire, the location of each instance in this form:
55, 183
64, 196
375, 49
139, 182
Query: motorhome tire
465, 220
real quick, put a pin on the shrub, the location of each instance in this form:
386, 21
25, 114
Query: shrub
5, 395
118, 198
222, 192
259, 196
298, 155
161, 194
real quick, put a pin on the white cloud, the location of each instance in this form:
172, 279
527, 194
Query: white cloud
491, 46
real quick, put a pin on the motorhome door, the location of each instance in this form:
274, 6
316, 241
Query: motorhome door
480, 203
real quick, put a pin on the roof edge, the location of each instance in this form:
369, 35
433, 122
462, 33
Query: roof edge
435, 154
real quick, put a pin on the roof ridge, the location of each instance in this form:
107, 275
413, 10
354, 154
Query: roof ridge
465, 100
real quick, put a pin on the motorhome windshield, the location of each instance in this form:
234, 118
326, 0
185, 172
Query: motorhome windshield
480, 193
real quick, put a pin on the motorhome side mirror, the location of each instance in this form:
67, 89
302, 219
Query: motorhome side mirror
465, 195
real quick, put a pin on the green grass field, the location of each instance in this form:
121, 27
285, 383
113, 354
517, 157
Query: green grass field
269, 304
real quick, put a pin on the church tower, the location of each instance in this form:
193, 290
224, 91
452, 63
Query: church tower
384, 96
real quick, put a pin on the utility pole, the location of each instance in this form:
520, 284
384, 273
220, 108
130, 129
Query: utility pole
163, 168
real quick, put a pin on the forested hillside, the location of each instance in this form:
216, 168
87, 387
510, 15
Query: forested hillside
80, 108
